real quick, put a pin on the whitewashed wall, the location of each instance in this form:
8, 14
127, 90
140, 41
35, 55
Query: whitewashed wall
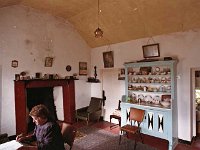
184, 46
29, 36
82, 93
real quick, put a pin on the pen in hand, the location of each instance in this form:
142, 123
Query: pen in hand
19, 137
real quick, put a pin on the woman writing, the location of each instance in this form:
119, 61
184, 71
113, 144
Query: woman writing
47, 132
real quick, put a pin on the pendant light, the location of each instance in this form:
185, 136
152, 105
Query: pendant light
98, 33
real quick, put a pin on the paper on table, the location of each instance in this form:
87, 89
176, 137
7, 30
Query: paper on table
11, 145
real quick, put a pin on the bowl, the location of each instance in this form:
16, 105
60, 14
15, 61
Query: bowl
165, 103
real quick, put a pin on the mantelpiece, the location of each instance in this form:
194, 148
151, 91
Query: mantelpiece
20, 99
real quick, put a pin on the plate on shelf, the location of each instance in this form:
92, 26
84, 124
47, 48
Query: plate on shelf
165, 103
141, 97
157, 69
148, 98
134, 96
168, 89
156, 99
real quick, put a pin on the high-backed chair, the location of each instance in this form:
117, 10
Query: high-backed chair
136, 115
68, 132
91, 112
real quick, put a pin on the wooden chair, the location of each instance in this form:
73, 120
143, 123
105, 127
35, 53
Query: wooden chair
116, 115
135, 115
68, 132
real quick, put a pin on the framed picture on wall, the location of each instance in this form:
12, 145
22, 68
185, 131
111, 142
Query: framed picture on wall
121, 74
14, 64
82, 68
48, 61
151, 50
108, 59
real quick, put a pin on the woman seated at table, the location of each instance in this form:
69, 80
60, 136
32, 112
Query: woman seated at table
47, 132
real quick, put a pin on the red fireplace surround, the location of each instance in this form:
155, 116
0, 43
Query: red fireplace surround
20, 99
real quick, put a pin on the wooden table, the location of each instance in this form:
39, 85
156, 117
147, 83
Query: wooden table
115, 117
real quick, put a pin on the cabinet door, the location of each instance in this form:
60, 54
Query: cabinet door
156, 123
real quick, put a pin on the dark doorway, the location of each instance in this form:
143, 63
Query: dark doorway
36, 96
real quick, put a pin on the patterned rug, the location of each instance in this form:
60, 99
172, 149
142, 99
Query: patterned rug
98, 139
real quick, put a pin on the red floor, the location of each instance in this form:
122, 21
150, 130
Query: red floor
149, 140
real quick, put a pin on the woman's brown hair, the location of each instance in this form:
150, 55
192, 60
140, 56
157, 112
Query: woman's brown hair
40, 111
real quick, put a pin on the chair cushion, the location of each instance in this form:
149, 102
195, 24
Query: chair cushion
82, 115
130, 129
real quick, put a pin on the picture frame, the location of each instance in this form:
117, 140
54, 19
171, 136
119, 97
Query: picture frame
48, 61
108, 59
14, 64
83, 68
121, 74
151, 50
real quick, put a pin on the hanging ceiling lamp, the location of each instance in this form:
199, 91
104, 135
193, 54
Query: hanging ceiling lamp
98, 33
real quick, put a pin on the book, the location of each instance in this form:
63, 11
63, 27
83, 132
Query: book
11, 145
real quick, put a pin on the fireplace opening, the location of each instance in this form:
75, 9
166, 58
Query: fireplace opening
36, 96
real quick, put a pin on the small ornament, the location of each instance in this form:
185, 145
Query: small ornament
68, 68
95, 72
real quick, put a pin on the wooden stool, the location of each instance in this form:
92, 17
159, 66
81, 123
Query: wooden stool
115, 117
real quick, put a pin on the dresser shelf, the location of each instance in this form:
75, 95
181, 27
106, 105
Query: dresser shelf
146, 85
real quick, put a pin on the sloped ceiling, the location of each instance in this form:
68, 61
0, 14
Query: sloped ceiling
121, 20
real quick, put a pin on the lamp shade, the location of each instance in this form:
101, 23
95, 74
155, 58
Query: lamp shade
98, 33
